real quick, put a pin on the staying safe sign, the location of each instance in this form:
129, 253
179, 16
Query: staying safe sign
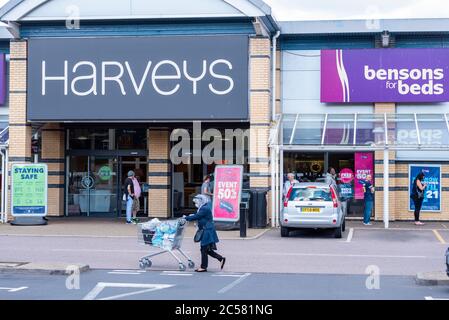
29, 190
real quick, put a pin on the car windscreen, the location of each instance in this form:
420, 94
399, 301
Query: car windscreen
310, 194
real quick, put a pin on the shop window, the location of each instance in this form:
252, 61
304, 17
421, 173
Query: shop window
90, 139
135, 139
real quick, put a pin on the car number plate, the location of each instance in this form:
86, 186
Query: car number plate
310, 210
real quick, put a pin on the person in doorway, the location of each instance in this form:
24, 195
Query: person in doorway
136, 201
331, 177
289, 183
206, 187
368, 191
209, 238
129, 195
417, 196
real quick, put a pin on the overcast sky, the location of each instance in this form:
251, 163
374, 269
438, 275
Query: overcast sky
354, 9
358, 9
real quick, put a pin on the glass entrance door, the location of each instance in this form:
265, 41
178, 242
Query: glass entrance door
93, 186
104, 194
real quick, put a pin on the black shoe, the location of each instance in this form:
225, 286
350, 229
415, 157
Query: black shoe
223, 261
201, 270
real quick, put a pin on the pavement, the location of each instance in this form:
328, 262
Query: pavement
102, 228
401, 252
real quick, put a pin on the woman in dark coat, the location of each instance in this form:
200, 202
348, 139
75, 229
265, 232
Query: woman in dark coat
209, 238
418, 195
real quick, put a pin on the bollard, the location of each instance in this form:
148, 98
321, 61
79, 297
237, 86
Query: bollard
243, 221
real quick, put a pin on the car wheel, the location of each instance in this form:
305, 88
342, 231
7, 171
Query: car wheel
338, 232
284, 232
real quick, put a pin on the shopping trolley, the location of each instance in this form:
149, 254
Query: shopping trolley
145, 236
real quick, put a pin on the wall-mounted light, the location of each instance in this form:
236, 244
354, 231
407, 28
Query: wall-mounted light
385, 39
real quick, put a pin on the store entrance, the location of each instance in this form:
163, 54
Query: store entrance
95, 184
313, 166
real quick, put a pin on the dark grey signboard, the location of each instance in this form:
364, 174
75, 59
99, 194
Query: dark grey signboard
138, 78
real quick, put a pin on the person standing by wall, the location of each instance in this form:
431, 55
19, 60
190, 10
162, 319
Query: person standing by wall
289, 183
368, 190
136, 201
418, 196
129, 195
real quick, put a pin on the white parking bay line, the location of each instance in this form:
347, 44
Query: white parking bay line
102, 285
99, 250
431, 298
227, 275
176, 273
14, 289
128, 273
345, 255
350, 235
233, 284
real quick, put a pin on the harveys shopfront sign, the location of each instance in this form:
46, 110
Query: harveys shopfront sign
138, 78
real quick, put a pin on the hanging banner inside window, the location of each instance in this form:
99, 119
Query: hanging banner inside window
227, 192
364, 167
346, 176
29, 190
432, 193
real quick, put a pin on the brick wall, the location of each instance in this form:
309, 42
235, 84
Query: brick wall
19, 130
159, 173
260, 114
53, 143
379, 170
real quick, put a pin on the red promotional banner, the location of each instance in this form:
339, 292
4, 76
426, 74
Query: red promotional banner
227, 192
364, 166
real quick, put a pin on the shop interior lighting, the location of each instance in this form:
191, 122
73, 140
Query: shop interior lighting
385, 39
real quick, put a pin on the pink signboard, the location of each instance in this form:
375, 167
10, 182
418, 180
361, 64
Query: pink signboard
346, 175
227, 192
364, 166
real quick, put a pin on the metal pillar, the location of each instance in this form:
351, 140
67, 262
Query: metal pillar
3, 185
386, 189
273, 186
280, 171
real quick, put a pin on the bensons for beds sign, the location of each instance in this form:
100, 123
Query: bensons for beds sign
138, 78
385, 75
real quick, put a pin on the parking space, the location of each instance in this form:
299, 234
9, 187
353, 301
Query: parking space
444, 235
394, 236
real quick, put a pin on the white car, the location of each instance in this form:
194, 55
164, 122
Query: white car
312, 205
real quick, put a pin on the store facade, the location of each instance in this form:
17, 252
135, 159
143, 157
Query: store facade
122, 91
373, 100
100, 89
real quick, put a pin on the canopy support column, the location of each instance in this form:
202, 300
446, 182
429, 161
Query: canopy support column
386, 188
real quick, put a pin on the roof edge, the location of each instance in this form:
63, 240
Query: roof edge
364, 26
